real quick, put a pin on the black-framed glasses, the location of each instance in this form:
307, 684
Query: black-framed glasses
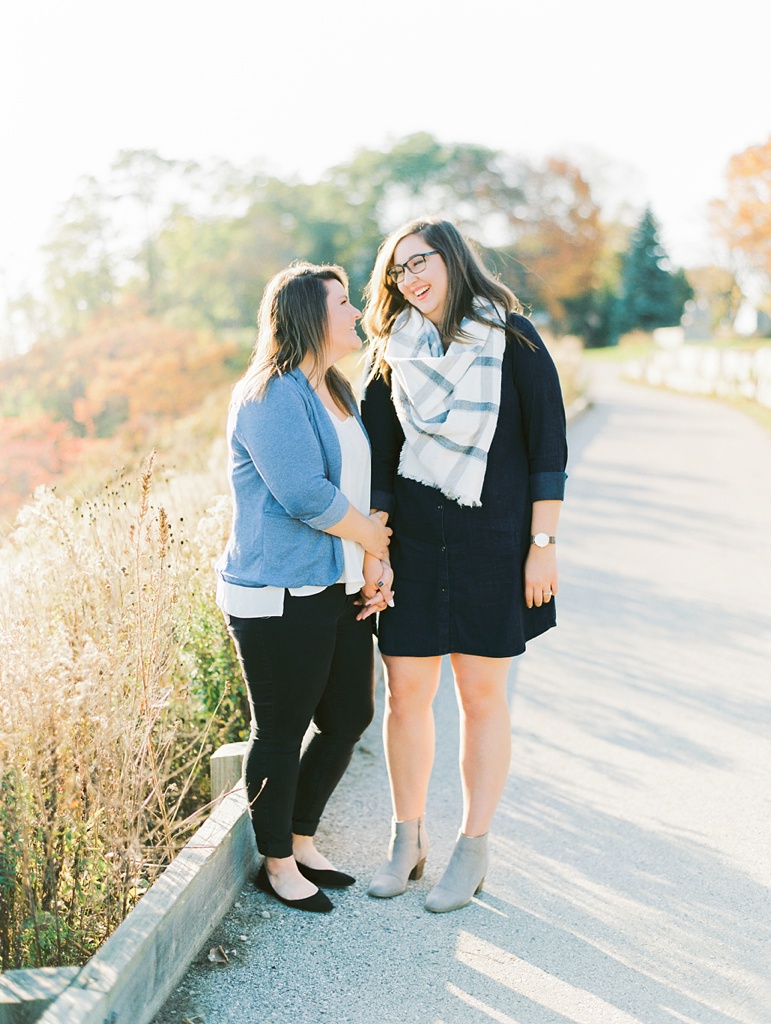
414, 264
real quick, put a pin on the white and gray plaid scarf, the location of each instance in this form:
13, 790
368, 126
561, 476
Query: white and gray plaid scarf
447, 402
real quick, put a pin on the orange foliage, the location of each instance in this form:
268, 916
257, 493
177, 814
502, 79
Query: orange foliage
563, 235
743, 218
34, 450
122, 377
122, 368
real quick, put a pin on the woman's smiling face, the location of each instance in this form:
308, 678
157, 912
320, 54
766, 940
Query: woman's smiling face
342, 336
426, 290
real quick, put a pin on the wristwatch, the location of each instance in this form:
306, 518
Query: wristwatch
542, 539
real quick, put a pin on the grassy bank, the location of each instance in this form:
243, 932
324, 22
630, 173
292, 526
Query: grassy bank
116, 681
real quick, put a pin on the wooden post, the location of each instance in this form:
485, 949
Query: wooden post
24, 994
226, 765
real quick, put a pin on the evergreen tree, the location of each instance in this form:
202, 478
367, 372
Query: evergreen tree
651, 295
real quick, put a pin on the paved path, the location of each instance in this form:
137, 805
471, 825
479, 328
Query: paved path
631, 850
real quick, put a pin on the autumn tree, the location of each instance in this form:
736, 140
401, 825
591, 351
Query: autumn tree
716, 293
557, 240
34, 450
125, 367
743, 217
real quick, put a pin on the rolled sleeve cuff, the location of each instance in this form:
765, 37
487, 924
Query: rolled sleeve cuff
383, 501
331, 515
547, 486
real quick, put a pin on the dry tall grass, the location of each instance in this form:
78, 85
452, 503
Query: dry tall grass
109, 687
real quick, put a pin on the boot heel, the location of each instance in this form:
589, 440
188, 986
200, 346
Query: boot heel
406, 857
417, 871
463, 877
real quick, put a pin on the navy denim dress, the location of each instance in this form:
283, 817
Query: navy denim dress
458, 570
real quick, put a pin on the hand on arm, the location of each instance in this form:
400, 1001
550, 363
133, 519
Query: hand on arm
369, 531
541, 579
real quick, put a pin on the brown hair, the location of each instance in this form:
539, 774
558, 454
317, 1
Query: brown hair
292, 322
467, 279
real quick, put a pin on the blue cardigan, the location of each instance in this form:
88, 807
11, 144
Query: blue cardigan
284, 468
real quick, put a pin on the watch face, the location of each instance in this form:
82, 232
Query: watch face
541, 540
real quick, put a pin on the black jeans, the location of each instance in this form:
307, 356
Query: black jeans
314, 664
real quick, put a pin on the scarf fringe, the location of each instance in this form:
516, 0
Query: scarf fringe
461, 499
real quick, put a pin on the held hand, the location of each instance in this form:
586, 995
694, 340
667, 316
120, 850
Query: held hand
370, 605
380, 534
376, 595
541, 580
377, 574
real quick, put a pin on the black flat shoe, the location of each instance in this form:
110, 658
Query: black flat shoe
326, 876
318, 903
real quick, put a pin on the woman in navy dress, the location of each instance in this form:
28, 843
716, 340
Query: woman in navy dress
465, 416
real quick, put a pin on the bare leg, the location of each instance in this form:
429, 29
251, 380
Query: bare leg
286, 879
408, 731
306, 853
485, 737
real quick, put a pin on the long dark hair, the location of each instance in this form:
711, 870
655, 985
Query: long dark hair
467, 279
293, 322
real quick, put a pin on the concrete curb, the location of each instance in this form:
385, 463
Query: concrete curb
135, 971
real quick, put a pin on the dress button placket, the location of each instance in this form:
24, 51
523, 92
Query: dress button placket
444, 576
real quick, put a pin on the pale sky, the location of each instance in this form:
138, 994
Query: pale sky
657, 96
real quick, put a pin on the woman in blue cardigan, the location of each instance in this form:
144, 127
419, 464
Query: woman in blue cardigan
465, 416
303, 555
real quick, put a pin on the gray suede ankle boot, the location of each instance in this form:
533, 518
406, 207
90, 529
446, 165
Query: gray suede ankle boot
406, 857
463, 876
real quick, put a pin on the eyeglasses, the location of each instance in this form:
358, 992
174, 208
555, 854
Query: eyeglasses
414, 264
